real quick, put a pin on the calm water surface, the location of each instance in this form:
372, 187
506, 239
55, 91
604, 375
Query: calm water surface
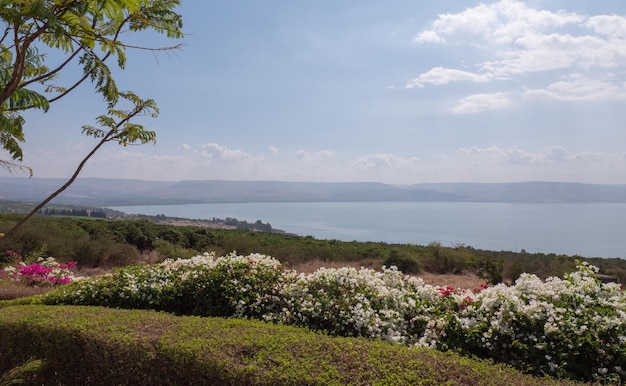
573, 229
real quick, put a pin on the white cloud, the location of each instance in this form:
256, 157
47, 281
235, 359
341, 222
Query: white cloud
307, 156
273, 149
211, 150
539, 53
612, 26
548, 156
518, 42
428, 37
440, 76
381, 161
502, 22
579, 88
185, 147
482, 102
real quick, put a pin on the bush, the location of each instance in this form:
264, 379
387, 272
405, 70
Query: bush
444, 260
171, 251
406, 264
491, 270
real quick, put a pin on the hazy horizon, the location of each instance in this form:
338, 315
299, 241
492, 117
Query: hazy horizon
80, 177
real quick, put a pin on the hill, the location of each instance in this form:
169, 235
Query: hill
118, 192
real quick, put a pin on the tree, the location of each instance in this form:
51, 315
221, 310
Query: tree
87, 33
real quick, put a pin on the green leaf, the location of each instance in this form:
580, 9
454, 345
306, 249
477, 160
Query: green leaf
99, 73
92, 131
88, 32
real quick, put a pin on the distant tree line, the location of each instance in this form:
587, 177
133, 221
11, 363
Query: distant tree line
73, 212
246, 226
241, 225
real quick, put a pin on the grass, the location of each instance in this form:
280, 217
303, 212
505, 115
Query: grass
100, 346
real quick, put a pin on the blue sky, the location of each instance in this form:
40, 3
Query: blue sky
398, 92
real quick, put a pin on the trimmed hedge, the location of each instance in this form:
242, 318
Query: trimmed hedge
102, 346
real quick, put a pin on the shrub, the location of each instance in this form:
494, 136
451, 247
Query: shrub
491, 270
406, 264
444, 260
170, 250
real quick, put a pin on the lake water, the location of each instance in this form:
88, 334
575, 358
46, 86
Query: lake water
590, 230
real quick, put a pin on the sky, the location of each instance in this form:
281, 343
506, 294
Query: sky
399, 92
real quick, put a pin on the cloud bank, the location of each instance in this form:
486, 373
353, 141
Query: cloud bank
572, 57
466, 164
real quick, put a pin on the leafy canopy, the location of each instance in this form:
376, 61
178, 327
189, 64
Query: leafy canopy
85, 32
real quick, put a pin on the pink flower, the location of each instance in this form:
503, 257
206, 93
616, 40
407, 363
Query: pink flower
35, 270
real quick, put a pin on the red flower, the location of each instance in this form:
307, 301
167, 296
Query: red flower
483, 286
447, 290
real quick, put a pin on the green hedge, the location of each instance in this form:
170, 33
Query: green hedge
101, 346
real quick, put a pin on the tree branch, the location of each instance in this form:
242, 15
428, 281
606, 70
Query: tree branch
105, 139
20, 62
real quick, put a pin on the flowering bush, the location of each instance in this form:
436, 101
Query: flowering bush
44, 272
350, 302
573, 327
204, 285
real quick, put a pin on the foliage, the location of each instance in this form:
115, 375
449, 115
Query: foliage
94, 346
445, 260
405, 264
90, 245
491, 270
573, 327
84, 32
88, 31
21, 374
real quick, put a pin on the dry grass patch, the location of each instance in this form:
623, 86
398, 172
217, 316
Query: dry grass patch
313, 265
8, 292
466, 280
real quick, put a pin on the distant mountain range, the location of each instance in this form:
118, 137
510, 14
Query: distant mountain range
119, 192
